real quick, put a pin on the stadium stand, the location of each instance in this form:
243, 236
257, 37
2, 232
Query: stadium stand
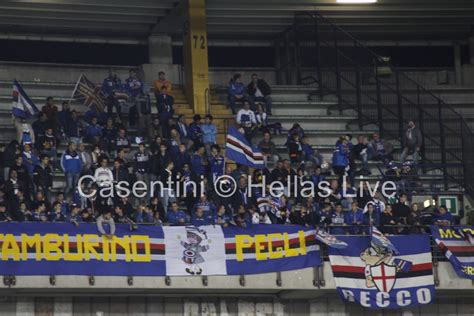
348, 118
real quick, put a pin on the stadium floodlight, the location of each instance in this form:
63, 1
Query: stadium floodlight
356, 1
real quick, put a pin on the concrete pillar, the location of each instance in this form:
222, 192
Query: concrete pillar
195, 55
457, 64
25, 306
160, 49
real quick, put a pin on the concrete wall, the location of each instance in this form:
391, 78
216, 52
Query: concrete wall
226, 306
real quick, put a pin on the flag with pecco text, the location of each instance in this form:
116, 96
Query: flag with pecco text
374, 276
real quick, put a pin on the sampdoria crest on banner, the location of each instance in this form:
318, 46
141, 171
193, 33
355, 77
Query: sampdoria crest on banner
196, 243
381, 268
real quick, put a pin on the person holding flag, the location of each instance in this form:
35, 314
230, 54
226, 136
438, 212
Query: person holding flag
23, 109
240, 150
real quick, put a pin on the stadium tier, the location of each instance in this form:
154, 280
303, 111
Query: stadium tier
236, 157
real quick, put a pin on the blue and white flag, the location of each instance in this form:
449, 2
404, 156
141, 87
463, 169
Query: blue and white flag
241, 151
382, 241
456, 242
329, 240
22, 106
374, 277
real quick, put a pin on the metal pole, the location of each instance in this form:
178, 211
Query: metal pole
358, 97
297, 54
400, 106
379, 106
277, 61
287, 58
443, 145
338, 70
421, 123
318, 59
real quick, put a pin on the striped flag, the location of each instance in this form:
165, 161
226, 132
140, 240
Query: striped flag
374, 277
90, 95
22, 106
382, 241
456, 244
241, 151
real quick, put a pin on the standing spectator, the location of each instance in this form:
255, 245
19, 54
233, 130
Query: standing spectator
175, 216
64, 115
199, 162
86, 159
25, 133
110, 86
141, 162
51, 112
195, 132
371, 217
235, 91
40, 125
412, 142
388, 220
134, 89
71, 165
216, 162
109, 135
259, 91
24, 179
164, 103
340, 161
337, 221
182, 128
295, 151
268, 149
401, 210
106, 218
360, 152
43, 177
310, 154
162, 82
9, 156
74, 127
49, 146
209, 132
246, 119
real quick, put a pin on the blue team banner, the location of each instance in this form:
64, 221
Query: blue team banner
375, 277
457, 243
64, 249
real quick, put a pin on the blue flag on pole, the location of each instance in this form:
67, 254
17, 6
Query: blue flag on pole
22, 105
241, 151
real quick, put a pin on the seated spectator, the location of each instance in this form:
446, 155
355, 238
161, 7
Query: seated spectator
30, 160
246, 119
378, 149
295, 129
371, 217
325, 215
337, 221
268, 149
401, 210
122, 141
199, 218
4, 215
209, 133
388, 220
175, 216
310, 154
106, 218
75, 216
236, 92
56, 215
412, 141
93, 132
259, 91
222, 217
242, 218
354, 218
442, 217
162, 82
39, 214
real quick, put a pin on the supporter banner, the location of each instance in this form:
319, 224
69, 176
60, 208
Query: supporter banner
64, 249
457, 243
375, 277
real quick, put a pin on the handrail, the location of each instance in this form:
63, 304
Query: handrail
440, 124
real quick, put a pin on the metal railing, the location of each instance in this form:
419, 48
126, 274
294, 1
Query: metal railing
314, 51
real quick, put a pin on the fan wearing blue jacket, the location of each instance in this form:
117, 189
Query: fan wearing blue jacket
236, 92
209, 132
71, 165
340, 159
110, 86
443, 217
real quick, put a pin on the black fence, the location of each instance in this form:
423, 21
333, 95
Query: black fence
316, 52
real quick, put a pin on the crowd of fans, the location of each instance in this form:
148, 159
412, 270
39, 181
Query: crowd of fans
167, 147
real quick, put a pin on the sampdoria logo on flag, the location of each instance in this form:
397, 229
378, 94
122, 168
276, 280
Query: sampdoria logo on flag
22, 106
374, 277
241, 151
90, 95
457, 244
